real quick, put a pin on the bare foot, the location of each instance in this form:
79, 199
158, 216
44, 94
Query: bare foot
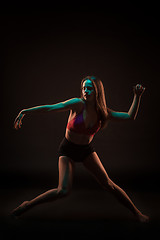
143, 218
19, 210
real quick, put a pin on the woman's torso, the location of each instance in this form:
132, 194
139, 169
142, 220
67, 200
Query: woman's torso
90, 124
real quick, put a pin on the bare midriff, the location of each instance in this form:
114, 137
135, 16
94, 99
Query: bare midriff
78, 138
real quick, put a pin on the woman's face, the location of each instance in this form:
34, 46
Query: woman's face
88, 91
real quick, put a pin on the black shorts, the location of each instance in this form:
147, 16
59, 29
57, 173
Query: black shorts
75, 151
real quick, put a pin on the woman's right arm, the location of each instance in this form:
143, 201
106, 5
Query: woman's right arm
71, 104
58, 107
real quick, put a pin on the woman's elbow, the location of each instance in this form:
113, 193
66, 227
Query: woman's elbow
131, 117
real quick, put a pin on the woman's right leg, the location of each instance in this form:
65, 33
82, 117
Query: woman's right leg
66, 168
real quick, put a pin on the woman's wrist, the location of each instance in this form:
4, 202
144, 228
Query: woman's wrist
23, 111
138, 96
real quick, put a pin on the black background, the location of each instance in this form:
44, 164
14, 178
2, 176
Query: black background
45, 53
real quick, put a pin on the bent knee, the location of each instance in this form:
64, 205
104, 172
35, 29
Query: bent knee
62, 192
108, 185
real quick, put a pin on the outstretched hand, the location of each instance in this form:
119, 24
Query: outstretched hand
18, 120
138, 90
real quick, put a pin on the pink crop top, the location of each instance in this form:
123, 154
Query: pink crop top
77, 125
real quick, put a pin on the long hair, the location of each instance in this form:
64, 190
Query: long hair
101, 106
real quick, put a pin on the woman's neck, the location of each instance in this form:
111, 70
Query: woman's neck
90, 105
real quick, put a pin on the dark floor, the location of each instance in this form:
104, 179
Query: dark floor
83, 214
78, 229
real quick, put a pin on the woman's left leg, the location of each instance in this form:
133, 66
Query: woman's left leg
94, 165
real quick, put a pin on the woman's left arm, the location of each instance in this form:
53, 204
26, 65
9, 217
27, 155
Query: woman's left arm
132, 113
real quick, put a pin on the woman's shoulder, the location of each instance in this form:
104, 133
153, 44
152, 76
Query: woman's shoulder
79, 104
79, 101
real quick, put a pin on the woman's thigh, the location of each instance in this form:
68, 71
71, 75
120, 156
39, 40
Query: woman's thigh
66, 170
95, 166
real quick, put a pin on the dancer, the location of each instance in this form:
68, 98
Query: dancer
88, 115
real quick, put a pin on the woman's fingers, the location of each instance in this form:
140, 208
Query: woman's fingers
16, 125
139, 89
15, 120
18, 121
